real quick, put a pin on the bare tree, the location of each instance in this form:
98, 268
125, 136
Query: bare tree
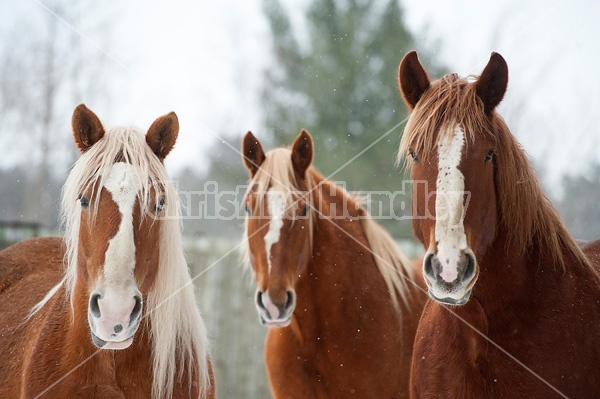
46, 67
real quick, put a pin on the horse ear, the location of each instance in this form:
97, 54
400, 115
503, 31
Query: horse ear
162, 134
412, 78
491, 84
87, 128
302, 152
252, 153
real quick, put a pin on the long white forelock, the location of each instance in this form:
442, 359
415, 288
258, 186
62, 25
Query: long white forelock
171, 305
276, 205
449, 205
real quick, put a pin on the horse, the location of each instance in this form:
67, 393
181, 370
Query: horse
119, 319
513, 309
332, 287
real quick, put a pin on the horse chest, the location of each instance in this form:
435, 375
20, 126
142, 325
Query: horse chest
448, 356
335, 361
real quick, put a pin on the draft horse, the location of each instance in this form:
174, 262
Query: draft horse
514, 308
332, 287
120, 320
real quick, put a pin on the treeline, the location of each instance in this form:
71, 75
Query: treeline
332, 72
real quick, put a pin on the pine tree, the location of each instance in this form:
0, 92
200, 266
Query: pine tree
342, 87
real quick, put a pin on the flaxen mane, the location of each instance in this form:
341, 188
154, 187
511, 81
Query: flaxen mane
524, 211
277, 171
177, 330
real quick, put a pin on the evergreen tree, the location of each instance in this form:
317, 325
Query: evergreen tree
342, 87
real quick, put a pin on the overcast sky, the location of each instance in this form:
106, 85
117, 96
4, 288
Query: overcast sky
205, 59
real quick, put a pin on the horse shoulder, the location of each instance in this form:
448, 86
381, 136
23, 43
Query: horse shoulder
25, 257
289, 376
28, 270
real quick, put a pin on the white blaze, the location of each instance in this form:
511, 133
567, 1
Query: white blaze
449, 205
120, 256
276, 206
119, 287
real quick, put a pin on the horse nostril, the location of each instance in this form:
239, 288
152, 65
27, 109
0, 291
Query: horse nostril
118, 328
137, 308
428, 266
259, 301
94, 307
290, 300
469, 268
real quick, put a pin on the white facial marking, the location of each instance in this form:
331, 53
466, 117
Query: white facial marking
449, 205
276, 206
272, 310
120, 256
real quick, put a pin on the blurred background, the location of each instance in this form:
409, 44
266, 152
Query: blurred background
275, 67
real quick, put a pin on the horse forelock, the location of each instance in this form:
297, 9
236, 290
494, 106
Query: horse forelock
277, 173
526, 214
450, 102
177, 341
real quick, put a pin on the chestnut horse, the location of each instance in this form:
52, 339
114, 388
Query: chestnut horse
121, 321
514, 308
332, 287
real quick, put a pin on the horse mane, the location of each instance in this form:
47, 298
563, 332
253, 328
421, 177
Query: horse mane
177, 331
525, 212
393, 265
277, 171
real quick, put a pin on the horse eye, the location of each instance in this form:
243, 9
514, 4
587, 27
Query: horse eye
247, 209
84, 202
489, 155
414, 156
159, 205
304, 211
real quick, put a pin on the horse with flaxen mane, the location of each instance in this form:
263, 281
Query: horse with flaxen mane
121, 321
332, 287
514, 309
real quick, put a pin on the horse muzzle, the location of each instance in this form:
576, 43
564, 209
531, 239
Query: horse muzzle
114, 319
273, 313
450, 279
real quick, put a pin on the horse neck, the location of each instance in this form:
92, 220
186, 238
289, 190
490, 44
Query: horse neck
509, 276
341, 277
